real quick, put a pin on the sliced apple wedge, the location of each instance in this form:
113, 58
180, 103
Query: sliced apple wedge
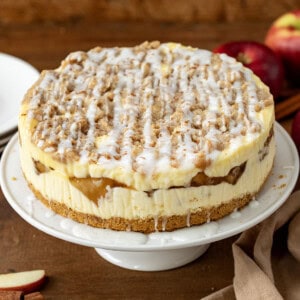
27, 281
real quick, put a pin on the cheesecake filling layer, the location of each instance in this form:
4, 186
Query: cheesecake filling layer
130, 204
94, 188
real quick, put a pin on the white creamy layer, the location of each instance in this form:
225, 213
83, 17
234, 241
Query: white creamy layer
131, 204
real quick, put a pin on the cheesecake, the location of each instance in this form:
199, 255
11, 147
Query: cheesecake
155, 137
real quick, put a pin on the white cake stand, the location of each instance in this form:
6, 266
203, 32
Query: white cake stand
155, 251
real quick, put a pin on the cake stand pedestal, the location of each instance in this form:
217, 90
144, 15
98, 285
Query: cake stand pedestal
153, 260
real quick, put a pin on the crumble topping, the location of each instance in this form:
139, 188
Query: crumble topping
145, 108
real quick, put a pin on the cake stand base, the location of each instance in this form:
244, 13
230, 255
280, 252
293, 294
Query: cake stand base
152, 260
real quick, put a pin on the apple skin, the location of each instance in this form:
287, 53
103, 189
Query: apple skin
27, 282
284, 38
260, 59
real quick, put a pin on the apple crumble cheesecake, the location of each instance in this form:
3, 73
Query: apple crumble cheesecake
150, 138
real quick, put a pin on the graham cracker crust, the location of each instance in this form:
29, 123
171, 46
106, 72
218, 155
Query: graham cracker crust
150, 224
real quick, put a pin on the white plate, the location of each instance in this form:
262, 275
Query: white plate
16, 76
148, 251
5, 140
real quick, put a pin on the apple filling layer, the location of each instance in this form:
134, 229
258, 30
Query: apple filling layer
95, 188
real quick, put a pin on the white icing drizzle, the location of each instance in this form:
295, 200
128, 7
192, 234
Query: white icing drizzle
29, 204
253, 203
188, 219
49, 214
164, 223
145, 108
155, 218
235, 214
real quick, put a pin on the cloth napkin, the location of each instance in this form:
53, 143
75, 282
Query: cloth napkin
260, 275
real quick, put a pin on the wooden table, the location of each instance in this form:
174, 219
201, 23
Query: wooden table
78, 272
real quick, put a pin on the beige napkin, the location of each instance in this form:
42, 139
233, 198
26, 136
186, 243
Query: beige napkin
258, 275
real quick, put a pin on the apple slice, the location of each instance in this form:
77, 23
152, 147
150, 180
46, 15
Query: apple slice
27, 281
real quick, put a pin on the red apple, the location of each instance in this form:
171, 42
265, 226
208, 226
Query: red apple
295, 133
27, 282
260, 59
284, 38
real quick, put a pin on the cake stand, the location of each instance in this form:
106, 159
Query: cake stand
159, 250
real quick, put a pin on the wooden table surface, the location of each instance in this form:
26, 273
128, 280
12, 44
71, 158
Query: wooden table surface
78, 272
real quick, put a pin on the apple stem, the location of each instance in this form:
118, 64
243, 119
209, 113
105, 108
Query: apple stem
243, 58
